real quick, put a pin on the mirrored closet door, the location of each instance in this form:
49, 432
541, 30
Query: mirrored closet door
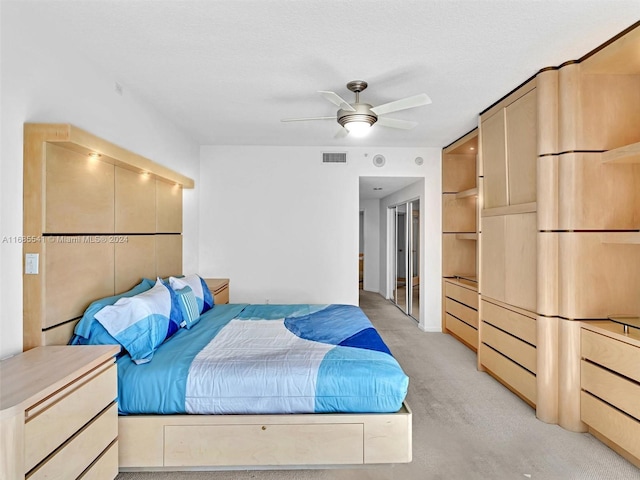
406, 260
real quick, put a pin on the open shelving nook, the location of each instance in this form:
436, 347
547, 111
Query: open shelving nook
459, 239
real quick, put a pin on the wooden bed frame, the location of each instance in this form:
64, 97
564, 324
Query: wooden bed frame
83, 256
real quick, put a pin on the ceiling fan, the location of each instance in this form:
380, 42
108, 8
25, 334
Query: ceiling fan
358, 118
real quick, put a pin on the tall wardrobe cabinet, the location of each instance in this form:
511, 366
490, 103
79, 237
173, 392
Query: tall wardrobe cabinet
559, 242
508, 266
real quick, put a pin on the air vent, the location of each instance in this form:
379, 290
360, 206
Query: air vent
334, 157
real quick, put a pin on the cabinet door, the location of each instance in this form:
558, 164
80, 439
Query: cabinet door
509, 259
521, 121
521, 261
492, 257
494, 161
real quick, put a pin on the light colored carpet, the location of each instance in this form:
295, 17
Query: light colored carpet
465, 424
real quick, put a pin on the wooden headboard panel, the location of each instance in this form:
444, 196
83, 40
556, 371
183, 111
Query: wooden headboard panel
100, 218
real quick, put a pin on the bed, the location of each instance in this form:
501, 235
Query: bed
127, 227
267, 359
266, 385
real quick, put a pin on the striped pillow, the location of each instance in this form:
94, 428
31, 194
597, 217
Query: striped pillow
199, 287
188, 306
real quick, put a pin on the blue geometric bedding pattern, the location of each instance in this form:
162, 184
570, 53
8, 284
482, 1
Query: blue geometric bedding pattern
261, 359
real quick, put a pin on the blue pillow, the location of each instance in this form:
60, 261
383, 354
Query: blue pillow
89, 331
188, 306
199, 287
142, 322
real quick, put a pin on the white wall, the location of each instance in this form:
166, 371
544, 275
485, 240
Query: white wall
284, 227
42, 83
371, 280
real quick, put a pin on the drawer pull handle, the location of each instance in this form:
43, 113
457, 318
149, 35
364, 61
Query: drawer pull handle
264, 428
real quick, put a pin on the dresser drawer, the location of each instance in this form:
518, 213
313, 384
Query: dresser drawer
520, 352
105, 466
79, 452
510, 373
614, 389
221, 296
212, 445
51, 422
515, 323
463, 295
462, 312
620, 357
462, 330
219, 288
619, 428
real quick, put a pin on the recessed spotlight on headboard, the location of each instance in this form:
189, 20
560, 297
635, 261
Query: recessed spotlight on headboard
419, 160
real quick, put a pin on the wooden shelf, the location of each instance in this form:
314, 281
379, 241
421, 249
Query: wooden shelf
472, 192
624, 238
625, 154
466, 236
510, 209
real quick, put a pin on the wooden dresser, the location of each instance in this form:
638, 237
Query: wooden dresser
58, 413
610, 384
219, 289
461, 310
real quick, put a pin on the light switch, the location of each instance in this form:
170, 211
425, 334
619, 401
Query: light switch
31, 263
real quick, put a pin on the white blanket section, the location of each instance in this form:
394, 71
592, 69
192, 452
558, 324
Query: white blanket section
270, 370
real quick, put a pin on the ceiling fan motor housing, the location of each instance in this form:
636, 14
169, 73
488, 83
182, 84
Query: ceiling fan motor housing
362, 113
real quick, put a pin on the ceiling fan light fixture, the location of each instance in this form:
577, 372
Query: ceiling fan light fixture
358, 118
358, 128
359, 121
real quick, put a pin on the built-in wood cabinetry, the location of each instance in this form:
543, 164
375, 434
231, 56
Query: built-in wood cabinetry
508, 347
58, 416
588, 203
508, 132
610, 381
559, 240
460, 224
461, 310
508, 242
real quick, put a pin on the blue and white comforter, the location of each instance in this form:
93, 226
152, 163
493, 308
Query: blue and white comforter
258, 359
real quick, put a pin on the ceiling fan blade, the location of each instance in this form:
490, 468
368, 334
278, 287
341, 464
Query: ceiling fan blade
307, 118
337, 100
343, 132
395, 123
403, 104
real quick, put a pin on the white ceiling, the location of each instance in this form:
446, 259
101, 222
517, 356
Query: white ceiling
227, 71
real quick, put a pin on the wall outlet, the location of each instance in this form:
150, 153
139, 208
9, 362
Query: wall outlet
31, 261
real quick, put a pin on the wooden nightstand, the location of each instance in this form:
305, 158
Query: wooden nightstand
58, 415
219, 288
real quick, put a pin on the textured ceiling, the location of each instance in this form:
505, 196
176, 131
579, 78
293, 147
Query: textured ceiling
227, 71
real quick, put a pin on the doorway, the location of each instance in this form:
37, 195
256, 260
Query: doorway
406, 257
